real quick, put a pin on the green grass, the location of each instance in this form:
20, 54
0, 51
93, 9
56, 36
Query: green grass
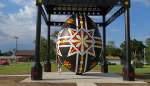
20, 68
144, 70
115, 68
25, 68
118, 69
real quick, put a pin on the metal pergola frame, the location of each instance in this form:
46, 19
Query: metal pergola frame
45, 8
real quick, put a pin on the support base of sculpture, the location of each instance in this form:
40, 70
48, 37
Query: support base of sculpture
104, 67
47, 66
128, 72
36, 71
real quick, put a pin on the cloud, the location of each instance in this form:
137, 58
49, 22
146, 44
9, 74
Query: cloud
23, 2
2, 34
145, 2
2, 5
21, 24
59, 18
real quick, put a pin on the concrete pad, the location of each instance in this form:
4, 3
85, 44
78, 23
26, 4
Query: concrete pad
86, 84
14, 75
87, 79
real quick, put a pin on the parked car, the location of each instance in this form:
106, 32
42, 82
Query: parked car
4, 62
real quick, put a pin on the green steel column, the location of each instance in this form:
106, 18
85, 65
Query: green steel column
36, 71
128, 70
104, 65
47, 65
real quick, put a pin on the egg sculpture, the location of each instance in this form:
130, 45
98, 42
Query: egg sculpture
79, 44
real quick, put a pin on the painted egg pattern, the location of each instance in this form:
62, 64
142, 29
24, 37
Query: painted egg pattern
79, 44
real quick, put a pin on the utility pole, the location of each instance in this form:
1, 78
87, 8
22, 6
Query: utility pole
16, 38
144, 57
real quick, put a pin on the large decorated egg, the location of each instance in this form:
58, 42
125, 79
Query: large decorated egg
79, 44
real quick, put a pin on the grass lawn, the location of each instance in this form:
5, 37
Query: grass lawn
16, 68
138, 71
25, 68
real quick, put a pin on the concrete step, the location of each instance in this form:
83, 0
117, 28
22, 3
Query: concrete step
47, 84
88, 79
82, 84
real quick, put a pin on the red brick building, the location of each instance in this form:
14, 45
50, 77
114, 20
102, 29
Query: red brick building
24, 55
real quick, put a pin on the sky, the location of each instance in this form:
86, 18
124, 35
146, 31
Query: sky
17, 18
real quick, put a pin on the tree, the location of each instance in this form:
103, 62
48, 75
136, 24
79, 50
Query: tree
111, 49
147, 50
0, 52
117, 52
53, 49
111, 44
137, 54
7, 53
43, 48
147, 42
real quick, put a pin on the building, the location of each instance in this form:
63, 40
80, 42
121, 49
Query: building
24, 55
113, 60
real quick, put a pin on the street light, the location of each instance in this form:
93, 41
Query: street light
16, 38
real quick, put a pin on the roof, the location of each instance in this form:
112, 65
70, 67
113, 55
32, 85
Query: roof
98, 3
25, 53
103, 5
7, 57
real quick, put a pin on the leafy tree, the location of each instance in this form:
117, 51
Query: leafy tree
117, 52
43, 48
0, 52
111, 49
147, 50
52, 49
7, 53
137, 53
148, 41
111, 44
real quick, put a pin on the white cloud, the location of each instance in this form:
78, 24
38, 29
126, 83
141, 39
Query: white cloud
146, 2
2, 5
23, 2
21, 24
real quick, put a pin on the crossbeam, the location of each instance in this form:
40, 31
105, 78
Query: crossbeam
72, 10
65, 12
81, 2
44, 14
61, 23
115, 16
